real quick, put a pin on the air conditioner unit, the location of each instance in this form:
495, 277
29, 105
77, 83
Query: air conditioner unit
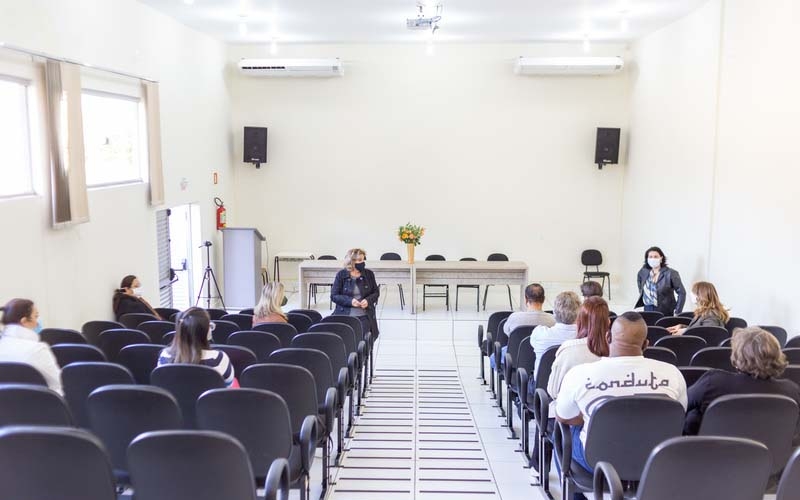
292, 67
568, 65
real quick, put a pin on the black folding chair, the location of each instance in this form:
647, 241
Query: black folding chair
141, 360
509, 369
156, 330
367, 337
243, 321
284, 331
540, 406
670, 321
80, 379
777, 331
651, 317
74, 353
692, 374
684, 347
224, 329
187, 383
300, 321
55, 336
395, 256
497, 257
734, 323
20, 373
315, 316
444, 290
91, 330
790, 479
713, 335
656, 333
486, 345
477, 288
594, 258
112, 341
713, 357
313, 288
261, 343
133, 320
661, 354
240, 357
348, 336
23, 404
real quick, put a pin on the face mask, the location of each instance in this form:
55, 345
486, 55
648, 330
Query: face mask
654, 263
361, 266
38, 327
138, 291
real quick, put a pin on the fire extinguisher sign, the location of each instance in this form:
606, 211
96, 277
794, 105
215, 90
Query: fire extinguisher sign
221, 213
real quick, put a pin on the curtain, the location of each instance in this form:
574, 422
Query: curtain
156, 173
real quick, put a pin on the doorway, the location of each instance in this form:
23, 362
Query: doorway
185, 257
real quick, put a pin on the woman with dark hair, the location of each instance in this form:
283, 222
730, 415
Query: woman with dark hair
191, 345
658, 285
708, 310
355, 291
20, 341
128, 298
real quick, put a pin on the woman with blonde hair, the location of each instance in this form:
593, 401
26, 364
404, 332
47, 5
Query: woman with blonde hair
708, 311
269, 309
355, 291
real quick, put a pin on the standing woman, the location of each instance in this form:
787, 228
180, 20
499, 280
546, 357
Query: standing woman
658, 285
355, 291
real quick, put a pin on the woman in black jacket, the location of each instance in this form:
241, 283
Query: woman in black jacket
658, 285
128, 299
355, 291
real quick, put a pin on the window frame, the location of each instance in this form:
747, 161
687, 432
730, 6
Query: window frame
29, 93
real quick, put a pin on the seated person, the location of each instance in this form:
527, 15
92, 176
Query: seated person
20, 341
268, 309
532, 316
708, 311
591, 289
756, 355
128, 299
565, 310
191, 345
581, 387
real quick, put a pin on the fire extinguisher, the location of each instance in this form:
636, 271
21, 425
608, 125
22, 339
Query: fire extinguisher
221, 217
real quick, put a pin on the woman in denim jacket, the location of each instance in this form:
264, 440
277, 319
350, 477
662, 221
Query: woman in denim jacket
355, 291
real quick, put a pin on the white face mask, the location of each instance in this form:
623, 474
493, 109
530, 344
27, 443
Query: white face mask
138, 291
654, 263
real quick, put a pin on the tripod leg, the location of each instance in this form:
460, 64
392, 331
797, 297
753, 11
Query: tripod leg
202, 284
216, 285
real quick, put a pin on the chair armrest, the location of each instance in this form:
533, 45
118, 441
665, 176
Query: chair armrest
508, 369
496, 353
361, 349
308, 442
562, 444
277, 480
604, 473
330, 408
522, 383
480, 339
352, 368
341, 385
541, 406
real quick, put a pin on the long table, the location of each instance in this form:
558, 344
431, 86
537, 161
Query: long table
512, 273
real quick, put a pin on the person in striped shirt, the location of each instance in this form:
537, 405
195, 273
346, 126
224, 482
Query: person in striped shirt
191, 345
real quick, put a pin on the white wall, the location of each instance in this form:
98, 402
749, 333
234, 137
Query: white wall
484, 159
71, 273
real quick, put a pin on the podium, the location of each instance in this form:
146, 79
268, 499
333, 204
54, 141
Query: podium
241, 263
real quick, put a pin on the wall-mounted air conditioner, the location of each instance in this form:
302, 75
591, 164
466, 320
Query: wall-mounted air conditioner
292, 67
568, 65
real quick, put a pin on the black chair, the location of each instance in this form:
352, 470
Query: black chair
348, 336
661, 354
216, 314
793, 342
725, 343
141, 360
695, 468
24, 404
187, 383
243, 321
133, 320
497, 257
242, 413
477, 288
656, 333
790, 479
777, 331
651, 317
298, 388
261, 343
284, 331
687, 314
444, 290
91, 330
594, 258
692, 374
156, 330
112, 341
713, 335
369, 341
240, 357
669, 321
223, 329
119, 413
509, 370
684, 347
167, 339
792, 372
622, 431
220, 468
248, 311
276, 486
80, 379
486, 344
55, 336
766, 418
166, 312
300, 322
792, 355
526, 360
20, 373
315, 316
54, 463
74, 353
396, 256
499, 340
313, 288
734, 323
539, 405
713, 357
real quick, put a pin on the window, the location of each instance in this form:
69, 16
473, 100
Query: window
112, 138
15, 141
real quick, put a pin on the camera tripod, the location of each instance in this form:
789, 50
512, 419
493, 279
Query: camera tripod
208, 278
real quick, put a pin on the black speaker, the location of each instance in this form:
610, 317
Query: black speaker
606, 150
255, 145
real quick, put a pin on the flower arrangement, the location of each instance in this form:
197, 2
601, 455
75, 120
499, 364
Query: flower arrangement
410, 234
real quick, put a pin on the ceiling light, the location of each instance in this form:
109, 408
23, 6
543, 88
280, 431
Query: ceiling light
273, 47
587, 46
243, 28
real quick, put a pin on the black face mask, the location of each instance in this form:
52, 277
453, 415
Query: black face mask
361, 266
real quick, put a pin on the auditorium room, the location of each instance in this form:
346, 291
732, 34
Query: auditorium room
399, 249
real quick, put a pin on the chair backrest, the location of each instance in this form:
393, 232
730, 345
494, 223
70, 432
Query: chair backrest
166, 312
248, 311
777, 331
55, 336
713, 357
468, 259
790, 479
656, 333
725, 343
391, 256
684, 347
792, 355
313, 360
327, 257
91, 330
242, 414
223, 329
713, 335
300, 321
156, 329
112, 341
792, 372
329, 343
54, 463
793, 342
692, 374
315, 315
80, 379
435, 257
591, 258
295, 384
526, 357
187, 382
133, 320
73, 353
261, 343
497, 257
354, 323
119, 413
216, 314
515, 339
22, 404
545, 367
697, 467
20, 373
243, 321
141, 360
661, 354
734, 323
767, 418
345, 332
624, 430
494, 320
190, 465
168, 338
284, 331
240, 357
651, 317
668, 321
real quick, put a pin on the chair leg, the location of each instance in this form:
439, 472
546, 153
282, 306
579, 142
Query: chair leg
509, 412
510, 304
483, 372
525, 426
339, 436
447, 298
402, 299
456, 298
500, 395
485, 293
423, 297
478, 299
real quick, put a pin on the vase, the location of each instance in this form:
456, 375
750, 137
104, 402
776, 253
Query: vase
410, 249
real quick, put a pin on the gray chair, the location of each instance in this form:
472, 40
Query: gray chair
22, 404
497, 257
661, 354
444, 290
75, 353
20, 373
713, 335
396, 256
80, 379
684, 347
187, 383
713, 357
477, 288
790, 479
593, 258
55, 336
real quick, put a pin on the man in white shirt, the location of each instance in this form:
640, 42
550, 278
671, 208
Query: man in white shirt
565, 310
626, 372
533, 315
